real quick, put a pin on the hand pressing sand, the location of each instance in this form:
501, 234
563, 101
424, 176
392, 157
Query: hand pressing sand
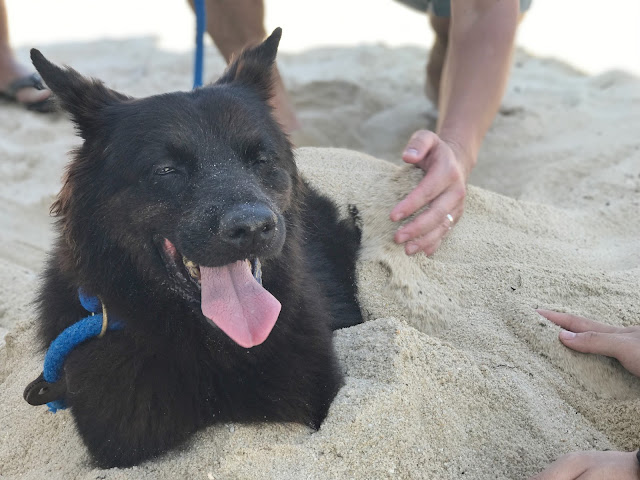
588, 336
593, 466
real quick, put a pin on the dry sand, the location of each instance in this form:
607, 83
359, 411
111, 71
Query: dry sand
454, 375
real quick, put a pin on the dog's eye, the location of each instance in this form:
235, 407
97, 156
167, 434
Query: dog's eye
261, 158
164, 170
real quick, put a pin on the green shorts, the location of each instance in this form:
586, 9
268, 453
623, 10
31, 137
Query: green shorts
442, 8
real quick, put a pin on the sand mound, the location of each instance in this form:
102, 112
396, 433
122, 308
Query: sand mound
454, 375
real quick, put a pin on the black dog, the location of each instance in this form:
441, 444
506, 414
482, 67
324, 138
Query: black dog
171, 210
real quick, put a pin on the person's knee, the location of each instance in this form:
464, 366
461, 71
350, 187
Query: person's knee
235, 24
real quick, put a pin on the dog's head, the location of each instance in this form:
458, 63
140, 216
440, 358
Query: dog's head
190, 189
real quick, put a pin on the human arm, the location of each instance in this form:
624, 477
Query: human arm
475, 74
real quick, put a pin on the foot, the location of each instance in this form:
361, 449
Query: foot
11, 71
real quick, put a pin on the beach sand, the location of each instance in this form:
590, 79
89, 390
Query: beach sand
454, 374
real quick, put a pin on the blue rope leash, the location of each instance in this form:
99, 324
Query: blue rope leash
201, 20
70, 338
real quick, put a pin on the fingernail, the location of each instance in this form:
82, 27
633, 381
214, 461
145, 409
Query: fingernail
567, 335
397, 216
411, 248
402, 237
411, 151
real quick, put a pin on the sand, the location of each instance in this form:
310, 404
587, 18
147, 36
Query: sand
454, 375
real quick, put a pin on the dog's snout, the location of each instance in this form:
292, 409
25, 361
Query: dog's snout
248, 226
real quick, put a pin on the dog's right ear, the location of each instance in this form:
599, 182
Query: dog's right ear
82, 97
254, 66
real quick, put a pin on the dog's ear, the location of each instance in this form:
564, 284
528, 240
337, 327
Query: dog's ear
82, 97
254, 66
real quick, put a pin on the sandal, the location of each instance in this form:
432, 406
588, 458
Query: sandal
30, 81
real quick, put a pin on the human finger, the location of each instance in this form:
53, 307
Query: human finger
609, 344
442, 175
567, 467
429, 188
430, 242
419, 145
592, 465
577, 324
612, 465
442, 214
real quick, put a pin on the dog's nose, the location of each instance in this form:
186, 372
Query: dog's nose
248, 226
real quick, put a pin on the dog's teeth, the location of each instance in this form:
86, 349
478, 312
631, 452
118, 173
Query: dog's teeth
195, 273
188, 263
192, 268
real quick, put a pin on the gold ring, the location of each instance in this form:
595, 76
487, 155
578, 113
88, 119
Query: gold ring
105, 319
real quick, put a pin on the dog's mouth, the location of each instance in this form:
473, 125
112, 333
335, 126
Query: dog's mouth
231, 296
193, 269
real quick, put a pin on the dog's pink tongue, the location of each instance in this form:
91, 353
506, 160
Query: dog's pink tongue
237, 303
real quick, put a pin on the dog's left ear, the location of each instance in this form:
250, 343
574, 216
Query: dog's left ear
82, 97
254, 66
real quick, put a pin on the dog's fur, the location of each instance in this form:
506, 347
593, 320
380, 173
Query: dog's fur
170, 167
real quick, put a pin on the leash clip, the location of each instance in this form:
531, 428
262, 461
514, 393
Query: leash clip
40, 391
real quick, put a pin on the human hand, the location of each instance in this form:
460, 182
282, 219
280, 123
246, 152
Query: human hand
593, 466
442, 189
588, 336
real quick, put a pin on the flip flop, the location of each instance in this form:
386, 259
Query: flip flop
30, 81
